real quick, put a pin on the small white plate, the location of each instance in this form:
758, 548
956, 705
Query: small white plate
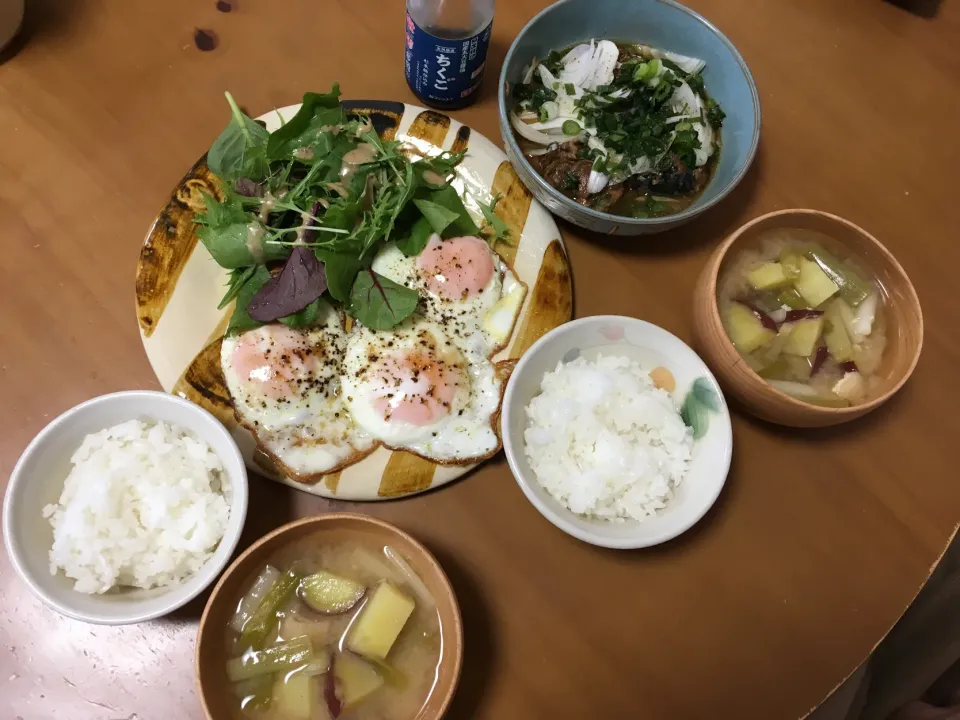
696, 392
38, 480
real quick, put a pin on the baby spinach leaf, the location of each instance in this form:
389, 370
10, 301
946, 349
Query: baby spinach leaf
341, 270
437, 215
448, 198
227, 244
416, 240
225, 232
379, 303
240, 149
304, 318
284, 139
313, 146
241, 320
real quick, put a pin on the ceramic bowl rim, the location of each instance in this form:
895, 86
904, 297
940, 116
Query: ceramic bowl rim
759, 382
319, 520
695, 208
209, 573
561, 519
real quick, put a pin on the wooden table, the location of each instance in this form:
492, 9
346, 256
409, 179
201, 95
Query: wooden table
818, 543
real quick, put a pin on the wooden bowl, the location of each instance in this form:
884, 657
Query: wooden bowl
211, 653
904, 321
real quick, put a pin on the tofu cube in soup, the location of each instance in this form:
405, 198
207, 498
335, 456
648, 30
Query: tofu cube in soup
380, 622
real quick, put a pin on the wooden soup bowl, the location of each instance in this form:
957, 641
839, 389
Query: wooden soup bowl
902, 308
211, 653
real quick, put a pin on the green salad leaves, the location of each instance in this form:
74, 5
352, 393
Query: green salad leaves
323, 183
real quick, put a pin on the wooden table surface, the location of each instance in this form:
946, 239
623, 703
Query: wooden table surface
820, 539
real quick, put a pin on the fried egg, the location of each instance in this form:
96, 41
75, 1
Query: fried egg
415, 389
465, 286
285, 385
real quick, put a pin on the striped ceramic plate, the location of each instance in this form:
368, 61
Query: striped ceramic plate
179, 286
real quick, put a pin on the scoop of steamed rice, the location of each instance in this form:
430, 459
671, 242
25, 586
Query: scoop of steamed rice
145, 505
605, 441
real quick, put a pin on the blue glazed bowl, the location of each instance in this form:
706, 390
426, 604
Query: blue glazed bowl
663, 24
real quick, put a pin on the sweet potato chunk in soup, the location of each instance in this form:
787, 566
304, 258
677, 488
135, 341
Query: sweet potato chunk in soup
333, 629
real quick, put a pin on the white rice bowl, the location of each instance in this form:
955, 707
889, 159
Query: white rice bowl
604, 441
145, 505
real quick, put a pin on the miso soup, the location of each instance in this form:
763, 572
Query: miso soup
334, 630
808, 319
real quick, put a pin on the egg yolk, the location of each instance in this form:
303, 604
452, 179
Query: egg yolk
417, 387
457, 268
275, 359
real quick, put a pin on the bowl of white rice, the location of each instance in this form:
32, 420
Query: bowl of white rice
125, 507
616, 431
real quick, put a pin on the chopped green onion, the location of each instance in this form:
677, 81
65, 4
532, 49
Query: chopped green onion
571, 90
281, 657
570, 127
264, 618
642, 72
684, 125
543, 114
655, 67
853, 288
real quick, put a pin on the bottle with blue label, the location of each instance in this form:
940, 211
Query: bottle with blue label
446, 49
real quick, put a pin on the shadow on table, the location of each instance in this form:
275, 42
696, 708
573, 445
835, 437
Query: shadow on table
839, 433
496, 54
270, 506
922, 8
41, 19
479, 647
712, 226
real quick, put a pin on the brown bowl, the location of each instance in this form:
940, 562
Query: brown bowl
211, 654
904, 321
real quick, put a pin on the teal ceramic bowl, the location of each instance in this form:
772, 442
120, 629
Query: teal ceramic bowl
663, 24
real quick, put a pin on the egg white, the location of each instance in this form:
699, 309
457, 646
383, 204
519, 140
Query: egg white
307, 429
480, 325
465, 434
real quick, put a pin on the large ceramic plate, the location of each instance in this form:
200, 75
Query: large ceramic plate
179, 286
